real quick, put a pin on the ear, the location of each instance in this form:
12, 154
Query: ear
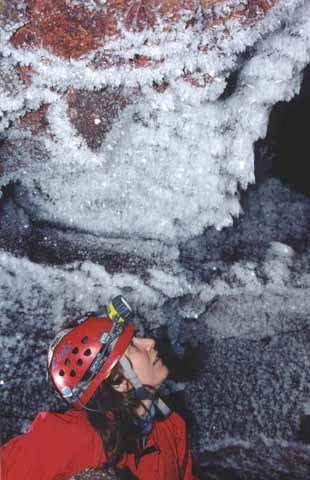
123, 387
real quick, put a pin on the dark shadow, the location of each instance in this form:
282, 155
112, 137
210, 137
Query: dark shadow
183, 369
284, 152
217, 472
304, 431
231, 85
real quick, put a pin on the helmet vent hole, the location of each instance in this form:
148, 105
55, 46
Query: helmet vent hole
87, 352
67, 361
79, 362
72, 373
75, 350
84, 340
61, 373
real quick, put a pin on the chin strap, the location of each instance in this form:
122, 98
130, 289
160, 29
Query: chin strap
142, 393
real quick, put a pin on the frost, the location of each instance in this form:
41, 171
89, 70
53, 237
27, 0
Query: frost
174, 162
92, 5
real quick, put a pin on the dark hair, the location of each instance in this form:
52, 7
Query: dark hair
115, 417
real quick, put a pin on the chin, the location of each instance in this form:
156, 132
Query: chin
165, 374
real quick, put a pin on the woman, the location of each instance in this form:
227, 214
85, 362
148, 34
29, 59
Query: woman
111, 380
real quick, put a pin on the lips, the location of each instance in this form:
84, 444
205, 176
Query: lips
157, 359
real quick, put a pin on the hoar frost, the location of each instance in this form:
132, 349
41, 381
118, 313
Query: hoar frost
174, 162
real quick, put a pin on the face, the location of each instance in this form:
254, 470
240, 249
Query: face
146, 362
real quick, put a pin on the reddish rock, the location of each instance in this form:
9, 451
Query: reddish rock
248, 14
141, 15
198, 79
174, 11
251, 12
147, 13
93, 113
71, 31
35, 121
260, 5
67, 31
25, 74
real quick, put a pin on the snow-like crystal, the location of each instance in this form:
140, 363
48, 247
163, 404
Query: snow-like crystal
174, 162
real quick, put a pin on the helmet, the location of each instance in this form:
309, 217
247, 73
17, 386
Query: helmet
80, 358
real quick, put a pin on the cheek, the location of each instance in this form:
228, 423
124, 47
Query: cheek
141, 364
148, 373
164, 372
159, 374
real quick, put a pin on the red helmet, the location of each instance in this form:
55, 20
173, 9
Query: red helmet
80, 358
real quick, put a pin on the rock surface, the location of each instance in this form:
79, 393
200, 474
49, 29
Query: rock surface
127, 128
92, 474
130, 103
73, 28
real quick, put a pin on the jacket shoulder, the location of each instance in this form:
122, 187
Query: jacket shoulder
56, 444
175, 421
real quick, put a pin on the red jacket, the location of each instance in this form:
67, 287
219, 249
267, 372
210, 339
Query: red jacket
58, 446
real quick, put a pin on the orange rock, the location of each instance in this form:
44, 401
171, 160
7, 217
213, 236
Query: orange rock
67, 31
141, 15
93, 113
71, 31
36, 120
253, 9
209, 3
263, 5
175, 10
249, 15
198, 79
147, 13
25, 74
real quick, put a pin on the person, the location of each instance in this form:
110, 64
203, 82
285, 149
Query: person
110, 377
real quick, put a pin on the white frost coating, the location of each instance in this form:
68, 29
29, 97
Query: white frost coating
55, 294
179, 49
89, 4
65, 143
244, 305
175, 283
174, 162
257, 316
278, 260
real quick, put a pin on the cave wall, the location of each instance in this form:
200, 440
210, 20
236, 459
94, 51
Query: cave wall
115, 95
127, 134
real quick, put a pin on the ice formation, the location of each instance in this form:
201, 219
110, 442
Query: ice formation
177, 157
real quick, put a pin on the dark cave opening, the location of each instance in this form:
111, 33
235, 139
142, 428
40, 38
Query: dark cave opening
284, 152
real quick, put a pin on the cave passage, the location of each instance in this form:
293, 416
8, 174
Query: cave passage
284, 152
